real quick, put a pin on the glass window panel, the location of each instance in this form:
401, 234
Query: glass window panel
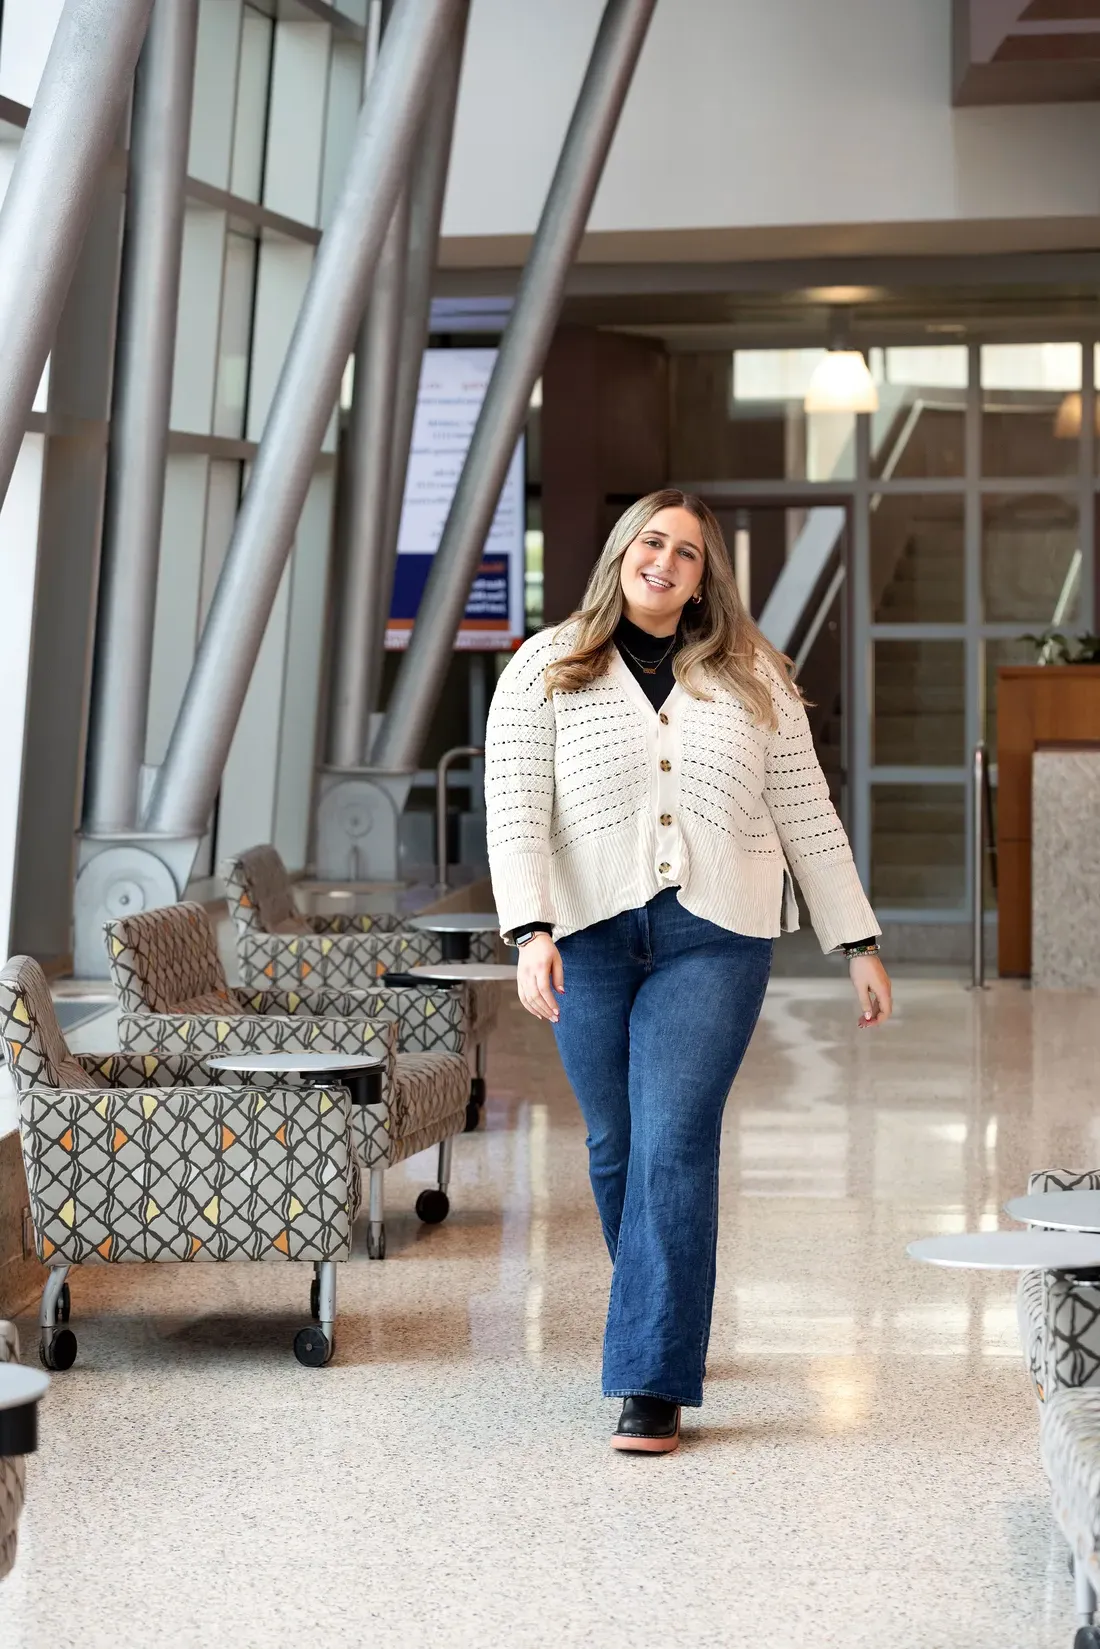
919, 704
1028, 395
215, 96
917, 560
773, 374
919, 429
194, 376
345, 84
236, 328
250, 125
918, 846
769, 386
222, 498
1031, 563
740, 417
296, 123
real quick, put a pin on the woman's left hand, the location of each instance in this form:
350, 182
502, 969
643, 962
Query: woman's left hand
872, 987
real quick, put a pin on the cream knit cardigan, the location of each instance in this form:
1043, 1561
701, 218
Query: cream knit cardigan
596, 802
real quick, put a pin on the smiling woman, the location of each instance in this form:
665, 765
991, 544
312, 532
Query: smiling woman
666, 569
649, 777
661, 568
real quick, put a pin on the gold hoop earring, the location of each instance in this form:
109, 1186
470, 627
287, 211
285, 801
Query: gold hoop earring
697, 598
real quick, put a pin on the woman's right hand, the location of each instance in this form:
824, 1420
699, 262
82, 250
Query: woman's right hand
540, 975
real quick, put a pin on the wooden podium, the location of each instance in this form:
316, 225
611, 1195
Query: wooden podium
1052, 704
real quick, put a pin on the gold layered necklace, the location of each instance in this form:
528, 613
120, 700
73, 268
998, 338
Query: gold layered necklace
649, 669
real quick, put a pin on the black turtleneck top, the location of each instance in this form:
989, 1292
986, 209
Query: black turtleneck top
640, 651
649, 660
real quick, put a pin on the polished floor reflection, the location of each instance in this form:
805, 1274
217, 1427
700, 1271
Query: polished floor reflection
865, 1469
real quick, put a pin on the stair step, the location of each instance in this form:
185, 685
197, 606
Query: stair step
932, 885
918, 848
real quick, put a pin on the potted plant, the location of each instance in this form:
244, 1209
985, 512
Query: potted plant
1055, 647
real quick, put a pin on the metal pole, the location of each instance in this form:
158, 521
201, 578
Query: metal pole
300, 409
523, 348
370, 441
148, 304
742, 559
441, 772
429, 186
977, 872
70, 133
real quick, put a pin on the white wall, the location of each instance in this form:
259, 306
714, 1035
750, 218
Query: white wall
26, 35
751, 115
18, 567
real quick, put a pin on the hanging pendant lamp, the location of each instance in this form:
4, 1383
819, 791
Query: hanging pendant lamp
841, 381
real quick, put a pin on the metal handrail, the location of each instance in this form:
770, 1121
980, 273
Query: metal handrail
818, 620
983, 832
441, 772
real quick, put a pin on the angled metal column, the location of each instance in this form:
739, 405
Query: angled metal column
370, 442
523, 348
72, 127
387, 365
366, 459
148, 302
300, 409
429, 187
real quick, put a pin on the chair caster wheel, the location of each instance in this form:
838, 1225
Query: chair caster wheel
315, 1300
376, 1245
433, 1206
473, 1117
313, 1347
64, 1304
477, 1091
59, 1352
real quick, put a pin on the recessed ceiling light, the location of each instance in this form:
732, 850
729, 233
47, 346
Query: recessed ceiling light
844, 294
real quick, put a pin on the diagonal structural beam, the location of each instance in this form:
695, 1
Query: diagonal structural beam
361, 511
144, 357
523, 349
369, 446
388, 355
300, 410
429, 186
70, 133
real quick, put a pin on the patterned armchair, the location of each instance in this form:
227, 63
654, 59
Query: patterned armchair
279, 947
12, 1471
139, 1157
1059, 1323
173, 994
1059, 1319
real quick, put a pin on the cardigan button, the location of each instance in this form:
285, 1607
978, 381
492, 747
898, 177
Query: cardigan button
663, 719
664, 869
666, 767
666, 818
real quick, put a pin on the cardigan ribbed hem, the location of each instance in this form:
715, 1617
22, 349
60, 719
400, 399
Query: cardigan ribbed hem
521, 890
837, 904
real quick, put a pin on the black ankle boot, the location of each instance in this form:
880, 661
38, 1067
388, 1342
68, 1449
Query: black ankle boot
648, 1425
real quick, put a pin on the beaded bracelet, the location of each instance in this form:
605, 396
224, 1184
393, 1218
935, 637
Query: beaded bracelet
870, 949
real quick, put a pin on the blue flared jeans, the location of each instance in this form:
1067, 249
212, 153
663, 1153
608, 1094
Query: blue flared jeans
658, 1009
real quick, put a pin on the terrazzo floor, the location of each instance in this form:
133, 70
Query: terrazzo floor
864, 1472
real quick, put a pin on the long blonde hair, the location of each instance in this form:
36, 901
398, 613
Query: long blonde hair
722, 644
